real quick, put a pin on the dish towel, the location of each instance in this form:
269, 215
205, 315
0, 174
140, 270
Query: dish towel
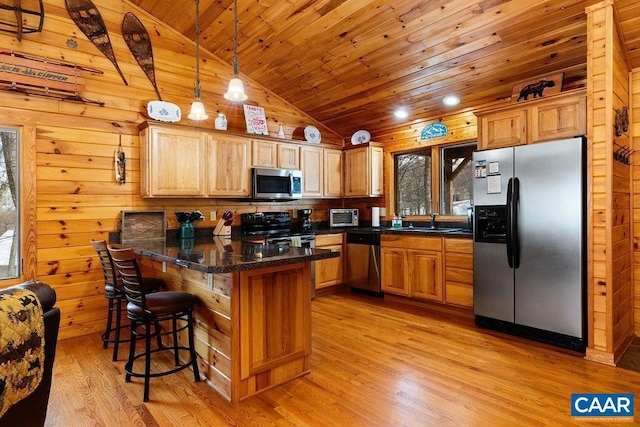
296, 241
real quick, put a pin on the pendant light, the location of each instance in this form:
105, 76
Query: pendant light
235, 92
197, 107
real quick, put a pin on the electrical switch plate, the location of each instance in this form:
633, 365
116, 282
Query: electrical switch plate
212, 216
383, 212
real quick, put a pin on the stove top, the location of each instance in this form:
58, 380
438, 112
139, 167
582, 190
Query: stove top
270, 225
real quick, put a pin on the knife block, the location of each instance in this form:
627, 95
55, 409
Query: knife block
221, 229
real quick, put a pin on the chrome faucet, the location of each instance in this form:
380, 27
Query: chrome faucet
433, 220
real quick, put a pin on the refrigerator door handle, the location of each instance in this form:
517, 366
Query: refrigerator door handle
508, 222
515, 244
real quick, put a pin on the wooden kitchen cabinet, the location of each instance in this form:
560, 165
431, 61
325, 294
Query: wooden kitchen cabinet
172, 162
363, 171
330, 271
502, 129
228, 166
412, 266
321, 172
425, 275
559, 118
556, 117
333, 173
275, 155
458, 271
312, 166
394, 269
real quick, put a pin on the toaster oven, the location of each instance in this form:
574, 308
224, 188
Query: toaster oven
343, 217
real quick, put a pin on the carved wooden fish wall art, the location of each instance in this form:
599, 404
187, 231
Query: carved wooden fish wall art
87, 17
139, 42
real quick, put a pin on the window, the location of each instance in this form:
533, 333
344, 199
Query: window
456, 179
413, 183
437, 179
9, 205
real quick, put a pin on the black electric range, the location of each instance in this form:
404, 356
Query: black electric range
274, 227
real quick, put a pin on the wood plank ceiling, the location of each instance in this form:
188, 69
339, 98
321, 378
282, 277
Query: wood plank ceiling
350, 63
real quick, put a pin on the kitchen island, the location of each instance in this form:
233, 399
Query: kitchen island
253, 311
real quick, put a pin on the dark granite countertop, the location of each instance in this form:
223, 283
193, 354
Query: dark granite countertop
217, 255
417, 231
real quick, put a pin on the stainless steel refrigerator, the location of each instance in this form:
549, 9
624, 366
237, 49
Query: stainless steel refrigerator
529, 241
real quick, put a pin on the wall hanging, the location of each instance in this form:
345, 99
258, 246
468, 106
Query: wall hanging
538, 88
87, 17
433, 130
120, 164
44, 77
22, 17
139, 42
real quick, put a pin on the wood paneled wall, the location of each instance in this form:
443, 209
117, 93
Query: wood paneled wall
610, 288
634, 130
77, 196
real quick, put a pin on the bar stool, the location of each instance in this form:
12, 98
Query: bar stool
143, 309
114, 294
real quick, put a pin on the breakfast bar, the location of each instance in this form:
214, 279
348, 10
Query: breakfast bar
253, 312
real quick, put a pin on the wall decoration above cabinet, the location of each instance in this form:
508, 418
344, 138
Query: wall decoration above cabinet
255, 119
139, 43
538, 88
28, 17
44, 77
87, 17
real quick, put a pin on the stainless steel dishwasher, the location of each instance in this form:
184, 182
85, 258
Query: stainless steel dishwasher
363, 261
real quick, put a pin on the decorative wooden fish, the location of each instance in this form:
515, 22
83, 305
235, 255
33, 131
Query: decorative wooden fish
139, 42
87, 17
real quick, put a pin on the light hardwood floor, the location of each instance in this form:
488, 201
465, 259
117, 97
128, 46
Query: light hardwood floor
373, 364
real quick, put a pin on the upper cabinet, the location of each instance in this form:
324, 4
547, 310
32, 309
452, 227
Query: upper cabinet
312, 166
363, 171
333, 173
275, 155
178, 161
321, 171
172, 162
229, 166
559, 116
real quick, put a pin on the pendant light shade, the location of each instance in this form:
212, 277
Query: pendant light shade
235, 92
197, 107
197, 111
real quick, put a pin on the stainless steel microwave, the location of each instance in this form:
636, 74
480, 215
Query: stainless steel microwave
343, 217
276, 184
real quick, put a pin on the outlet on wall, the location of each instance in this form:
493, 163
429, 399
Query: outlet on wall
383, 212
212, 216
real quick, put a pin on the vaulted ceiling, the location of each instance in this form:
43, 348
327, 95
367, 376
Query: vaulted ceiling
350, 63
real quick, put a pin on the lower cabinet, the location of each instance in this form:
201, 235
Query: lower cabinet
329, 272
458, 271
412, 266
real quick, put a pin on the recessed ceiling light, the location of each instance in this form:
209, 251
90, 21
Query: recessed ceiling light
451, 100
401, 113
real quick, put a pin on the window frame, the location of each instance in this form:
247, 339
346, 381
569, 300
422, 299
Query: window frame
27, 196
436, 166
441, 176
